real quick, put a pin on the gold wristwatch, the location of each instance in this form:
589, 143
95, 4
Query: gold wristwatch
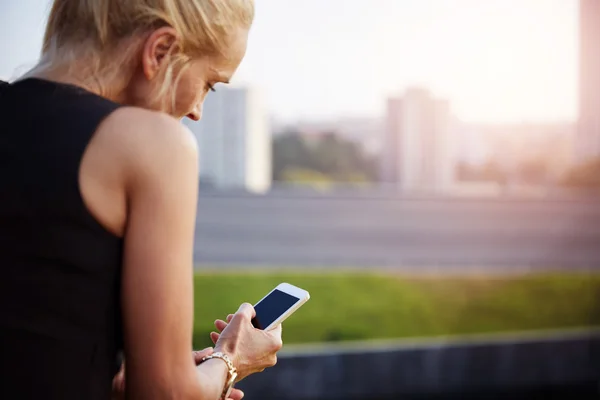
231, 374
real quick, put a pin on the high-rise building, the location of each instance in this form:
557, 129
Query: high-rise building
417, 150
588, 135
234, 140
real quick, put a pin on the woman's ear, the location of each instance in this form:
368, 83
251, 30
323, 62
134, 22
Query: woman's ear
158, 46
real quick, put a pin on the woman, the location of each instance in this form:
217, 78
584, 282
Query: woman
98, 201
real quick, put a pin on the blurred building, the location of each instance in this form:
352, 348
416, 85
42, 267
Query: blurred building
365, 132
417, 153
234, 140
588, 137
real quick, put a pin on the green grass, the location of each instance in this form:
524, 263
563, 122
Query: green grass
359, 306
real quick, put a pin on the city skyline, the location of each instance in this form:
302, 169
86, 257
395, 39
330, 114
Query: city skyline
313, 61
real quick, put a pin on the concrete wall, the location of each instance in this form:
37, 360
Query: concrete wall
513, 365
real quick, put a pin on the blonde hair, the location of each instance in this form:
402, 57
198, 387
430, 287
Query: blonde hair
97, 31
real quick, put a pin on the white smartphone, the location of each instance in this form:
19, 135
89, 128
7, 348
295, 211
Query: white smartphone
279, 304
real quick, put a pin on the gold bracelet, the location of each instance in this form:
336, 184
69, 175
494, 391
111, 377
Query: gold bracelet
231, 373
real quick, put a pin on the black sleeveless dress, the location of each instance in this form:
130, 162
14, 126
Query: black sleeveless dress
60, 325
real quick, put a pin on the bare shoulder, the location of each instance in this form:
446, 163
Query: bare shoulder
132, 151
148, 140
153, 128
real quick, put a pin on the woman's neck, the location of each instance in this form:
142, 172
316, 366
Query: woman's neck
78, 74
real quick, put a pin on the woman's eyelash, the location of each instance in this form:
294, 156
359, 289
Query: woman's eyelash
210, 87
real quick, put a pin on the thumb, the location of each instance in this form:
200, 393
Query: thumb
247, 311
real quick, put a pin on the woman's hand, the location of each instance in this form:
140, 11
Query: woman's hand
118, 387
251, 350
220, 325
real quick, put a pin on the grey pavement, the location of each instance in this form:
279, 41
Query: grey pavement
358, 230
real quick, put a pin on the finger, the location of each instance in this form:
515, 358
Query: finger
246, 311
236, 394
199, 355
122, 385
118, 386
220, 325
120, 376
229, 317
116, 383
214, 336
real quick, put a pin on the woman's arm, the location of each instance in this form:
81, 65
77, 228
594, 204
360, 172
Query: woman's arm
160, 172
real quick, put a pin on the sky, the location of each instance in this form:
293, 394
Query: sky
495, 60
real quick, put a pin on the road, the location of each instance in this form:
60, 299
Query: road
383, 231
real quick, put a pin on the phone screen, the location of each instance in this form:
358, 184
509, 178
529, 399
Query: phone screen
271, 308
